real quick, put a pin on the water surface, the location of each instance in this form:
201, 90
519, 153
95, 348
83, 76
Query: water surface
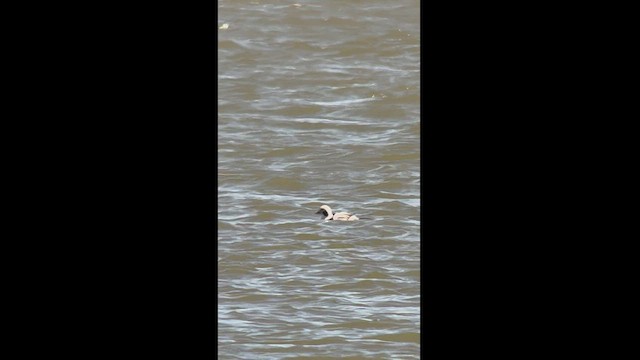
319, 103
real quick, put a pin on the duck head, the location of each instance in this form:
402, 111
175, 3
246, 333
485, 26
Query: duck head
326, 211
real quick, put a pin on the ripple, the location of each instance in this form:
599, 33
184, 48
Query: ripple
402, 337
318, 104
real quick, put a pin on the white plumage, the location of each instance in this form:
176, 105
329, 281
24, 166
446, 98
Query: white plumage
341, 216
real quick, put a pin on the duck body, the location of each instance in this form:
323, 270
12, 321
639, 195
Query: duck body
340, 216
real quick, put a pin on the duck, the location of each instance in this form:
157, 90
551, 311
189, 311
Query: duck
341, 216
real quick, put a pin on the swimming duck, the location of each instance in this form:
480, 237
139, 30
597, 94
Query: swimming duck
329, 215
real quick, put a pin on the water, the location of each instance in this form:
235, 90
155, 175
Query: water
319, 103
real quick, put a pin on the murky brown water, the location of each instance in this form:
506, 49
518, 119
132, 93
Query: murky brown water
319, 103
